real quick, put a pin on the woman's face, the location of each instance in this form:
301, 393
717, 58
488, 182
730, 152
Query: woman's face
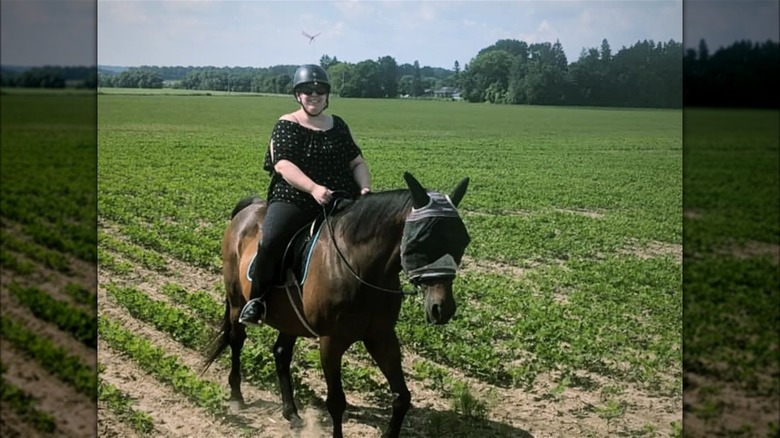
313, 97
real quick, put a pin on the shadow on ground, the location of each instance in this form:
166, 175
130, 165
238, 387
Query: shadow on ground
419, 422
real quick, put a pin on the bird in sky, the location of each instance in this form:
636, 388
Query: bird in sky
310, 37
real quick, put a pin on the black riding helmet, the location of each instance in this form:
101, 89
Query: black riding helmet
311, 74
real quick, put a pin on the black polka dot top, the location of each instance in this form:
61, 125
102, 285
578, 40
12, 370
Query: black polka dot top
324, 156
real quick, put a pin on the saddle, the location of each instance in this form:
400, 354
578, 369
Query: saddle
299, 250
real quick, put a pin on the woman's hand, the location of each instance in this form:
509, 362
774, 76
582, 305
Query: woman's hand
364, 191
321, 194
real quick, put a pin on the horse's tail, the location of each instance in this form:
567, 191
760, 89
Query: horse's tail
218, 344
244, 203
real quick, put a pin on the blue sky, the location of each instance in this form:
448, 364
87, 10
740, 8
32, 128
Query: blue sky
435, 33
262, 34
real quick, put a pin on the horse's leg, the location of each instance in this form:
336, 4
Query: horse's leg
237, 338
386, 351
283, 352
331, 352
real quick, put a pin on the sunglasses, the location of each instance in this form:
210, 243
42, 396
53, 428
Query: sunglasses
311, 89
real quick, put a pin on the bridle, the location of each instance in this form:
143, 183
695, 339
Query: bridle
439, 206
346, 263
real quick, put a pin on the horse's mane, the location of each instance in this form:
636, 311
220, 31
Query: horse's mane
373, 214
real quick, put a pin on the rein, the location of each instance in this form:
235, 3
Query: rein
349, 267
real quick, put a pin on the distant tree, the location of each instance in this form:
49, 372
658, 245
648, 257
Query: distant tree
513, 47
490, 70
704, 53
606, 52
588, 79
41, 77
406, 85
741, 75
343, 80
648, 74
326, 61
388, 76
516, 92
91, 79
417, 85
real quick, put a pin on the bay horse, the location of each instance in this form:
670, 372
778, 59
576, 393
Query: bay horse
352, 291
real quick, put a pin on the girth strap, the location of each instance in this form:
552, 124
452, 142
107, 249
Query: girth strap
292, 282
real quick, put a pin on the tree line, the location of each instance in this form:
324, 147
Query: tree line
647, 74
741, 75
49, 77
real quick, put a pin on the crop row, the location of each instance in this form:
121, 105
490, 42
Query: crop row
190, 332
60, 235
109, 262
149, 259
121, 404
80, 324
559, 341
25, 405
54, 359
81, 295
164, 367
9, 261
35, 251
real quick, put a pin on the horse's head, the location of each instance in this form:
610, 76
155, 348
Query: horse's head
432, 246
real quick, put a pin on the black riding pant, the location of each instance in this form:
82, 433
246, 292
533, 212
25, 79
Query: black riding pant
281, 222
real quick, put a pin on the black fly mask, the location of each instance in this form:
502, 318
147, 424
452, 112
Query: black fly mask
434, 240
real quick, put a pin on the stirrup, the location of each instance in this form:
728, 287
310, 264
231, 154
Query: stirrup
260, 319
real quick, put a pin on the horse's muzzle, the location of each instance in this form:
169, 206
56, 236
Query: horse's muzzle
439, 302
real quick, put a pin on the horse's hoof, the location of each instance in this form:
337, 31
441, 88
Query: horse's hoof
236, 405
296, 422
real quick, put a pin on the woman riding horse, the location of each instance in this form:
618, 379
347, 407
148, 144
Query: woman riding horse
310, 156
352, 291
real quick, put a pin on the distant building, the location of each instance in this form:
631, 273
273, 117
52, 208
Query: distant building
446, 93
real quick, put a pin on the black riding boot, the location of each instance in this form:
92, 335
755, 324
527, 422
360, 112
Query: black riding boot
254, 310
281, 222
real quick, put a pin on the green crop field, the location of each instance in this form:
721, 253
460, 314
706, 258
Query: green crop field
570, 297
570, 318
48, 251
731, 277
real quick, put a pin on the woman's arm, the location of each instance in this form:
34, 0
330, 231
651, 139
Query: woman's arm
296, 178
361, 174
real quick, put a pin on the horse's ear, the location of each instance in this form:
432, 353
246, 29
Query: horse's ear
420, 196
459, 191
